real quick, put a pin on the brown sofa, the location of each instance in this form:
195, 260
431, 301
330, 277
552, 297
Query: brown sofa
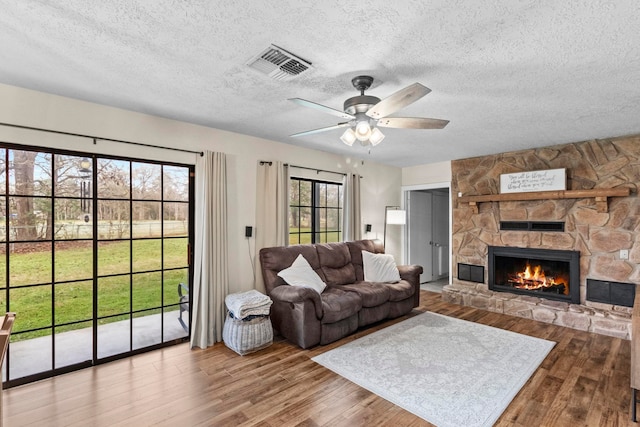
348, 302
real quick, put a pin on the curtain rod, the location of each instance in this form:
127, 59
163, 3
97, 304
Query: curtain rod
262, 162
96, 138
317, 170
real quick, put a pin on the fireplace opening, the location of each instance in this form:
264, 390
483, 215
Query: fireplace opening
544, 273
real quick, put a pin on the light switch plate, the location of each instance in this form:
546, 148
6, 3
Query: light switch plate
624, 254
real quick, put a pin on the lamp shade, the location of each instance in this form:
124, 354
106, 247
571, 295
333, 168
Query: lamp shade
348, 137
376, 137
363, 130
397, 216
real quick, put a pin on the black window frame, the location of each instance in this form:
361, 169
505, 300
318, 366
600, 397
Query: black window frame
316, 233
89, 197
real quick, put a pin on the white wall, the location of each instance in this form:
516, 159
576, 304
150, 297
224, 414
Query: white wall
426, 174
380, 186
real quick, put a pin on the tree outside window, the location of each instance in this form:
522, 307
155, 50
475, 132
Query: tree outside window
315, 211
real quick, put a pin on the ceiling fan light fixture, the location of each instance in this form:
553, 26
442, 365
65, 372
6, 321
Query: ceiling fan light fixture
365, 113
348, 137
376, 137
363, 130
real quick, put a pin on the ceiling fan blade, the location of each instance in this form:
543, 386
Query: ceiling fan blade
322, 108
398, 100
412, 123
311, 132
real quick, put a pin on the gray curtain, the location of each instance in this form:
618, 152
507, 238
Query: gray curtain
211, 272
351, 215
272, 211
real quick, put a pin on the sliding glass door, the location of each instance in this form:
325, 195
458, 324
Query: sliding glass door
94, 258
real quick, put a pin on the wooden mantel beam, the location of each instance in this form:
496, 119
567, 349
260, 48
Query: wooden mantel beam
600, 195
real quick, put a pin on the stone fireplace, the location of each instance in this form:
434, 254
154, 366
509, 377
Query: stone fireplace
597, 235
542, 273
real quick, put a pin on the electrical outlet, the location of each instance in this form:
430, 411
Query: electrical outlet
624, 254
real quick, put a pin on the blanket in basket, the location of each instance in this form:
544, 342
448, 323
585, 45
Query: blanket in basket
250, 303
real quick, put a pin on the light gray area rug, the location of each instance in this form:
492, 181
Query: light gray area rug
448, 371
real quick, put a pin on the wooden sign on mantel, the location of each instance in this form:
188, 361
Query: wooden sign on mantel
526, 182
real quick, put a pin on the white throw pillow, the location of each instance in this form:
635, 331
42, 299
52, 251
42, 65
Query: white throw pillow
301, 274
379, 268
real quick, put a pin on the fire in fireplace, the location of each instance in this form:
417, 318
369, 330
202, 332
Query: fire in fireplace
544, 273
538, 280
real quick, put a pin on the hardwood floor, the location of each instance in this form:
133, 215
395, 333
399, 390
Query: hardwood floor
584, 381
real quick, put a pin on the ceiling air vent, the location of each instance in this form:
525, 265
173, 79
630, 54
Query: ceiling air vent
279, 64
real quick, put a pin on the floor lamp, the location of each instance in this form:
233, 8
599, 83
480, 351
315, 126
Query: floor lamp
395, 216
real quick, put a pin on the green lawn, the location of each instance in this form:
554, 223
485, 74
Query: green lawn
74, 301
305, 236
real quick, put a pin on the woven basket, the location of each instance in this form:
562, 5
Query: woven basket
247, 336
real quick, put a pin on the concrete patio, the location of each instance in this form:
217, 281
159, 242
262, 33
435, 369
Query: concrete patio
34, 355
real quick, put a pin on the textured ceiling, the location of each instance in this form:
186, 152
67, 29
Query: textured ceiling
508, 75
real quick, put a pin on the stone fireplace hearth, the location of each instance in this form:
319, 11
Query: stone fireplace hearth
598, 236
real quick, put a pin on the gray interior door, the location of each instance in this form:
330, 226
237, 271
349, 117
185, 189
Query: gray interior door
420, 232
440, 234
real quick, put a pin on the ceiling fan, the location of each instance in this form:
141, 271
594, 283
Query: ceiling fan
366, 113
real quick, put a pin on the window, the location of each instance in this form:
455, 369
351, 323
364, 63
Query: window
92, 252
315, 211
